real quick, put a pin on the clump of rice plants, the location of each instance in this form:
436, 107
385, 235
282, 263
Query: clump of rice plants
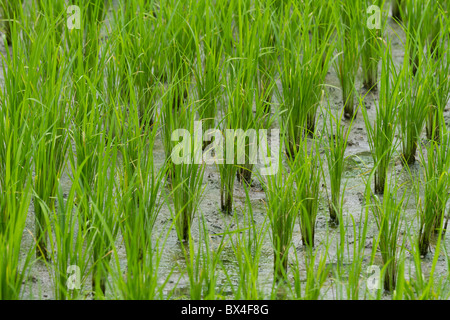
370, 48
388, 216
67, 243
346, 63
282, 211
418, 16
414, 106
306, 169
303, 69
16, 150
436, 185
439, 82
247, 247
381, 133
202, 264
208, 71
337, 135
11, 11
50, 139
397, 9
105, 216
267, 58
186, 171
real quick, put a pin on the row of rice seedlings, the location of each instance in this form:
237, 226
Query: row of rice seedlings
346, 63
301, 95
388, 216
337, 137
433, 209
370, 48
381, 133
414, 106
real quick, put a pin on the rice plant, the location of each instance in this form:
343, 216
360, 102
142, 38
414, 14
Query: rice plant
370, 48
282, 213
187, 172
388, 217
302, 79
439, 84
397, 9
414, 104
50, 139
381, 133
337, 135
347, 17
209, 71
306, 169
433, 209
247, 247
12, 12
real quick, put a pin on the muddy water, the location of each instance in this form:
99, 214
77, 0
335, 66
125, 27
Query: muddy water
38, 283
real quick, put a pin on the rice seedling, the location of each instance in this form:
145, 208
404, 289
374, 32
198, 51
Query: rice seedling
414, 106
11, 11
439, 84
337, 135
105, 216
381, 133
67, 246
15, 179
50, 138
208, 71
185, 166
202, 263
397, 9
317, 272
306, 169
370, 48
282, 211
247, 242
13, 268
433, 209
388, 217
418, 17
347, 18
301, 95
267, 57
